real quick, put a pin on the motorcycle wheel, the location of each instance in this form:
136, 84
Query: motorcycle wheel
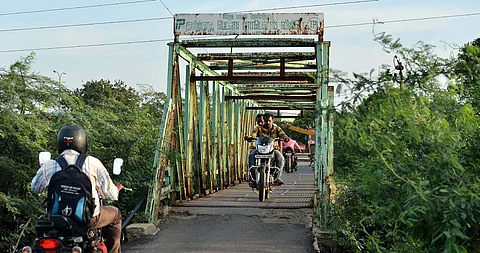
287, 167
268, 185
262, 190
289, 162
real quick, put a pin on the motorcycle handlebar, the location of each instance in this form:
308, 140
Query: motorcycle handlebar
248, 138
127, 189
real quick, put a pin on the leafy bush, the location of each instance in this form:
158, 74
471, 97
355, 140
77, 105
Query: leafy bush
406, 164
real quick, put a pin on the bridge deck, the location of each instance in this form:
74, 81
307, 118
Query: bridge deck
297, 192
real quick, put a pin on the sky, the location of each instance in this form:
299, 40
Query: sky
352, 48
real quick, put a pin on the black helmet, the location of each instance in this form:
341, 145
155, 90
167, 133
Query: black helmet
72, 137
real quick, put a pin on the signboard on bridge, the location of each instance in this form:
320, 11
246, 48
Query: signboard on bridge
249, 24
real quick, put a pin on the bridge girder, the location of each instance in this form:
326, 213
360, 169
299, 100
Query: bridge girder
201, 149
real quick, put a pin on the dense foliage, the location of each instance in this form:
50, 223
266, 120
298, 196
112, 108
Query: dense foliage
119, 121
407, 174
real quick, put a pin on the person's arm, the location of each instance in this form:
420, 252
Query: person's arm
281, 134
39, 182
255, 131
105, 186
295, 144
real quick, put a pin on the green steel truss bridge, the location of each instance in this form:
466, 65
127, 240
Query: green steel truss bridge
280, 63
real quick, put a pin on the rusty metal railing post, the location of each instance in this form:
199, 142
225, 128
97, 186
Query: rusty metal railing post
321, 133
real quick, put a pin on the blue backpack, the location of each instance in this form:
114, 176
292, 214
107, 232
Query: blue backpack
70, 192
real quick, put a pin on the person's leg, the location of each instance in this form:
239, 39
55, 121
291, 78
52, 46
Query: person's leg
280, 161
251, 162
251, 158
110, 220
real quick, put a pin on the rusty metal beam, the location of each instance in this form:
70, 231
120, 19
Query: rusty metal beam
230, 67
289, 62
189, 57
282, 108
290, 117
242, 83
287, 89
269, 73
246, 64
271, 91
309, 105
272, 97
252, 78
257, 66
277, 93
287, 92
276, 85
255, 42
263, 56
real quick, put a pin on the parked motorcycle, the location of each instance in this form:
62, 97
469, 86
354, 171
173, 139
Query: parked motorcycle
58, 233
263, 169
290, 161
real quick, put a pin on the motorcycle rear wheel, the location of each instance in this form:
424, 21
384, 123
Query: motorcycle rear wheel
290, 165
287, 167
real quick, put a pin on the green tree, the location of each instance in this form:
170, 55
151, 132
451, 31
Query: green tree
467, 73
124, 123
120, 122
27, 103
404, 178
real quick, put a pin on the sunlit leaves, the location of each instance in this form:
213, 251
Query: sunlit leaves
406, 162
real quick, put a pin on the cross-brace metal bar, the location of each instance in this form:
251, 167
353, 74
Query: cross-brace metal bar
256, 42
234, 79
257, 66
271, 97
282, 108
258, 57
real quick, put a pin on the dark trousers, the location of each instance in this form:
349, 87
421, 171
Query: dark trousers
110, 220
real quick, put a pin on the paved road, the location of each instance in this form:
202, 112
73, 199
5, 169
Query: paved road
234, 221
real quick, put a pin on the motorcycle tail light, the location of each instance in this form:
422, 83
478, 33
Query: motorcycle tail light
49, 243
26, 249
76, 249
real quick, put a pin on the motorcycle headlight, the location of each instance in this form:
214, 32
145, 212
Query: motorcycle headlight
263, 149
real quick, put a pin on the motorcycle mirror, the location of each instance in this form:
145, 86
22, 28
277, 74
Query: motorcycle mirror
43, 157
117, 166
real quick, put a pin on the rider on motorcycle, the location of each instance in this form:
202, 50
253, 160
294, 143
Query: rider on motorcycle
293, 145
274, 131
71, 142
259, 120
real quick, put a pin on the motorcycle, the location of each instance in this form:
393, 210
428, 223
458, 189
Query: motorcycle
290, 163
58, 233
263, 169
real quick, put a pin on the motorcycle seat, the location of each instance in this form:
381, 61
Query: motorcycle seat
61, 224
